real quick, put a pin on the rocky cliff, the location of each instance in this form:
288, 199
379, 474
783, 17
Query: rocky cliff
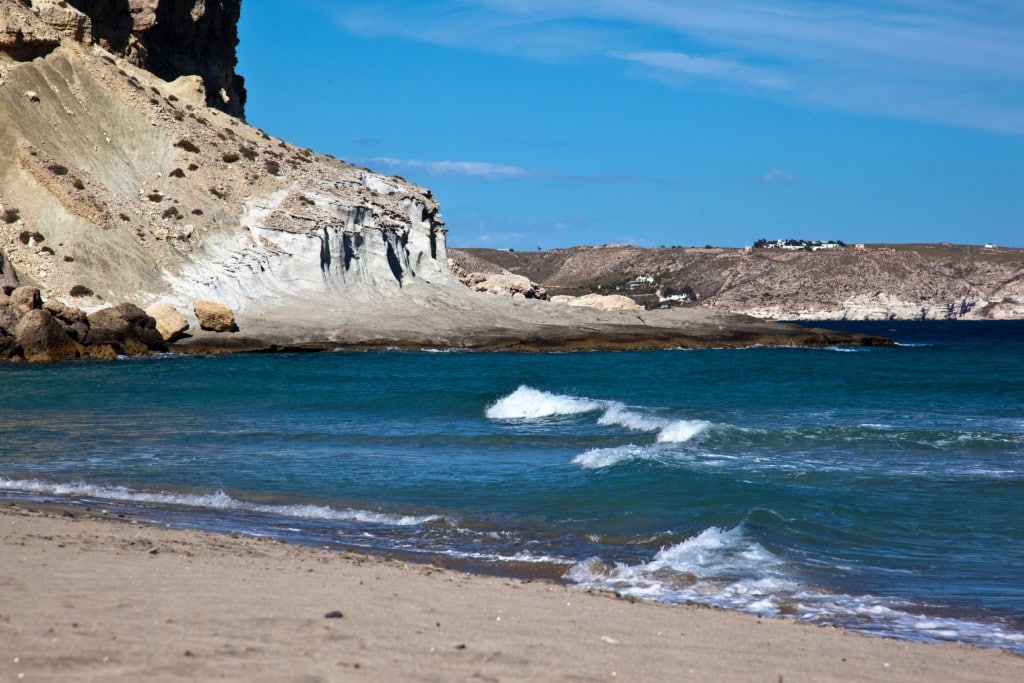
173, 38
874, 282
120, 184
117, 185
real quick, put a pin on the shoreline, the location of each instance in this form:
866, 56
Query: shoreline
557, 338
91, 598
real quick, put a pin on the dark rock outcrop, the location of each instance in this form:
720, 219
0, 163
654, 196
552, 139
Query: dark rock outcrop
43, 332
74, 320
43, 339
25, 299
173, 38
24, 38
126, 329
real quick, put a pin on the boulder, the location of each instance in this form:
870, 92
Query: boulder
9, 317
74, 320
67, 314
126, 328
42, 339
25, 299
67, 20
505, 284
214, 316
169, 322
8, 346
23, 35
602, 302
8, 278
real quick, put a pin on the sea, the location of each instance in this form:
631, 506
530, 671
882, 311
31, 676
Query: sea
880, 490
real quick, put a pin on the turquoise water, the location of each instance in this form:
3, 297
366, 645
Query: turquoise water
877, 489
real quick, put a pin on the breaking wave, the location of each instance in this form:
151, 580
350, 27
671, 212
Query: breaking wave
729, 569
531, 404
526, 403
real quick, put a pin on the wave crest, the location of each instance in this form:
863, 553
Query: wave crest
526, 403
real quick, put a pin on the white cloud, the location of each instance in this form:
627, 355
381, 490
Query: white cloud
465, 169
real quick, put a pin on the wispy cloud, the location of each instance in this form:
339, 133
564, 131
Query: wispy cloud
707, 67
465, 169
484, 170
935, 60
778, 177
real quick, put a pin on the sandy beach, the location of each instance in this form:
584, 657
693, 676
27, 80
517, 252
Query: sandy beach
87, 598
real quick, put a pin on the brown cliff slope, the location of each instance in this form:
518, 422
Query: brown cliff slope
929, 281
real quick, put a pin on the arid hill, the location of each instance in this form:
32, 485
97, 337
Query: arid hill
864, 282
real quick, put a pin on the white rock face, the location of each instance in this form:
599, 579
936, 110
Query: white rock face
347, 252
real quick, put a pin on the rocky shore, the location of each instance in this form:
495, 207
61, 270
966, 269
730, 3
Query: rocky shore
50, 331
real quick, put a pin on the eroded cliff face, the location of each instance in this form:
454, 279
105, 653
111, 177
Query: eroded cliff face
117, 185
173, 38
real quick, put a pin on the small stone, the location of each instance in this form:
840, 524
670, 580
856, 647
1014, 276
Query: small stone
333, 614
32, 95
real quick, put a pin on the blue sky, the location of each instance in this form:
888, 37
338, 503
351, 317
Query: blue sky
563, 122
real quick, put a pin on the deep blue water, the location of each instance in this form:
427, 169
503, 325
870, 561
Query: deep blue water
878, 489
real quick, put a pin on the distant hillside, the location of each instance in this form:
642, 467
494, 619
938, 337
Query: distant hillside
931, 281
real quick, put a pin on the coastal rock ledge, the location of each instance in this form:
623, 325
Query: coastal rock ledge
132, 179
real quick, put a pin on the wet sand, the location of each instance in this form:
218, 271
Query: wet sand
86, 598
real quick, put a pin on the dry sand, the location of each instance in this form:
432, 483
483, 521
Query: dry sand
90, 599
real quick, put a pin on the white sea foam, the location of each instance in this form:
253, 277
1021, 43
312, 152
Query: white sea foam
718, 567
523, 556
214, 501
526, 403
681, 431
726, 568
617, 414
600, 458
